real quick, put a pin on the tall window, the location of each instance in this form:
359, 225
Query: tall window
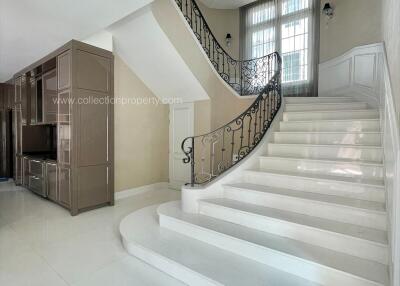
289, 27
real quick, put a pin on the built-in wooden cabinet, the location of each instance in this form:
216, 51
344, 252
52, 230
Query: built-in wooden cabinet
68, 89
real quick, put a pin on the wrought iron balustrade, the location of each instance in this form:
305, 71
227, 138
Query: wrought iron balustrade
246, 77
213, 153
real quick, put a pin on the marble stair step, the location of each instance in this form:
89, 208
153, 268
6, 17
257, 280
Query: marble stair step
308, 261
338, 208
342, 125
348, 138
192, 261
321, 106
330, 115
339, 168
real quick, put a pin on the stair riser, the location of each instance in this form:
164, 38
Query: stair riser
326, 152
330, 115
334, 241
326, 106
334, 212
327, 187
331, 126
372, 139
321, 167
284, 262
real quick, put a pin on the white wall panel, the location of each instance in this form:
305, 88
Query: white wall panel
352, 74
365, 70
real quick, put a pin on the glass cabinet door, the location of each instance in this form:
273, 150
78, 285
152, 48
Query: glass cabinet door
64, 143
33, 99
24, 100
39, 100
50, 96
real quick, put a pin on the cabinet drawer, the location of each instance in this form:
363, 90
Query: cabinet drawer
36, 184
36, 168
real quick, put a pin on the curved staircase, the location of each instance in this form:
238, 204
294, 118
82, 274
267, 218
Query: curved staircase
310, 212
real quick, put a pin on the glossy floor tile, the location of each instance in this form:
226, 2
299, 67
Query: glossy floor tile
41, 244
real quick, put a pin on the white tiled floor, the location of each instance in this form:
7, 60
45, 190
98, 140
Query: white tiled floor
41, 244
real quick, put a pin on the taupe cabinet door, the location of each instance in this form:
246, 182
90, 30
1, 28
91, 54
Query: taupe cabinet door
64, 188
51, 181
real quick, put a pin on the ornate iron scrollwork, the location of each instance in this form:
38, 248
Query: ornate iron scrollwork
246, 77
214, 153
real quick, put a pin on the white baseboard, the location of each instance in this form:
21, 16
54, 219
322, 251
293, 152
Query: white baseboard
139, 190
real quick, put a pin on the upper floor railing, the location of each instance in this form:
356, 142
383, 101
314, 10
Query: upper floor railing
246, 77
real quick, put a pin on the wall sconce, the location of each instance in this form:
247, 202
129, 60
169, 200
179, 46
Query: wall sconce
328, 10
228, 39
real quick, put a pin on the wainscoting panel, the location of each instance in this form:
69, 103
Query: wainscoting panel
354, 74
365, 70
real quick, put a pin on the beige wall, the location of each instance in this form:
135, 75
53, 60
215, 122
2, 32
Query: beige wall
141, 133
391, 38
222, 22
355, 23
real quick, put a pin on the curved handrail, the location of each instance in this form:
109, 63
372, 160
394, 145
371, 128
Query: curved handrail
221, 149
246, 77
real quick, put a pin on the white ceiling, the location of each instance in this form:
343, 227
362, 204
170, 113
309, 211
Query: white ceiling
226, 4
31, 29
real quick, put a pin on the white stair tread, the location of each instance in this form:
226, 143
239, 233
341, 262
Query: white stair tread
349, 264
329, 145
325, 103
361, 232
333, 111
329, 199
307, 99
347, 179
328, 132
333, 120
321, 106
211, 263
337, 160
